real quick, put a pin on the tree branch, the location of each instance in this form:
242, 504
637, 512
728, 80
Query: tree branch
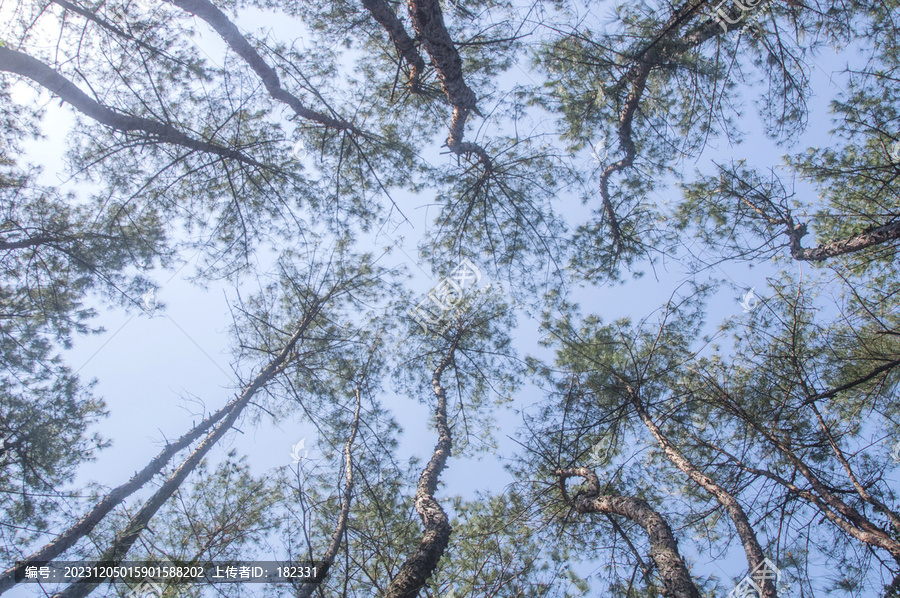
90, 16
12, 61
752, 548
229, 32
668, 43
126, 539
677, 581
385, 15
83, 526
307, 589
868, 238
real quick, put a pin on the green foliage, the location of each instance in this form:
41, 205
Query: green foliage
44, 436
275, 159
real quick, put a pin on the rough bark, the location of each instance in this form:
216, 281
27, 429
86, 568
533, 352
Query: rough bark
626, 120
752, 548
126, 539
428, 22
384, 14
229, 32
416, 570
869, 238
677, 581
12, 61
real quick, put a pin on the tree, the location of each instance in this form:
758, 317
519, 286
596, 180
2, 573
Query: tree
765, 436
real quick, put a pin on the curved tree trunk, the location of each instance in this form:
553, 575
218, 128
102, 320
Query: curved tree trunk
753, 550
428, 22
677, 581
416, 570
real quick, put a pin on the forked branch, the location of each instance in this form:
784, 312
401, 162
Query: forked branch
677, 581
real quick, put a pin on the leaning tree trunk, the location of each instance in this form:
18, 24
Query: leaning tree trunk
83, 526
132, 531
752, 548
677, 581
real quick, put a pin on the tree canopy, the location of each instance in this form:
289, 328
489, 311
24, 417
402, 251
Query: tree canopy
599, 171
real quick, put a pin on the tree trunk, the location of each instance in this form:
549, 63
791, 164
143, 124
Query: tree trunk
414, 573
124, 540
677, 581
752, 548
83, 526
